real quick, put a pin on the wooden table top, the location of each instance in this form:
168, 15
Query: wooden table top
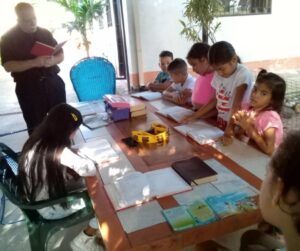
145, 158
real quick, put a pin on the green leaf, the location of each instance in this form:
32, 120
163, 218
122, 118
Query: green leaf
200, 15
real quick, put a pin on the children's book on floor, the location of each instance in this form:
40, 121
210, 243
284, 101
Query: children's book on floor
176, 113
147, 95
195, 171
135, 188
200, 131
232, 203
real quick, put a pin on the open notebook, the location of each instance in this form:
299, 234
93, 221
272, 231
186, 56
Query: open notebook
176, 113
200, 131
147, 95
135, 188
100, 151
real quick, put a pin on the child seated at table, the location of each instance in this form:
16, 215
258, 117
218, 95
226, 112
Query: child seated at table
260, 120
180, 92
279, 199
49, 169
163, 79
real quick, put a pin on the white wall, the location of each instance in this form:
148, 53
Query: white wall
255, 38
263, 37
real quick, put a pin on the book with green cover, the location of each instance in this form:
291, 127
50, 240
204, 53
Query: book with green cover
179, 218
201, 212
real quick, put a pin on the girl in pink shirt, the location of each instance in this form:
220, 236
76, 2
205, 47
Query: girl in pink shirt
203, 91
260, 119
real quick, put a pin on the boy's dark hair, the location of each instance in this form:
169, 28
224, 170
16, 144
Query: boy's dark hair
166, 54
178, 65
198, 51
285, 164
277, 86
221, 53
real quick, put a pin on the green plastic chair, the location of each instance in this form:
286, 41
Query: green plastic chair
39, 229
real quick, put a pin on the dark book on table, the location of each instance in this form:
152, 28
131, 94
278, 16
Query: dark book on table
194, 171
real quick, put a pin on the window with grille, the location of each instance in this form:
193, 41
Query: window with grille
245, 7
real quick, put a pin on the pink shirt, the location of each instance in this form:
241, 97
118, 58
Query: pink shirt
203, 91
269, 119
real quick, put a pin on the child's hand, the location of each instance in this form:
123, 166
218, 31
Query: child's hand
179, 99
151, 86
187, 119
244, 119
186, 93
226, 140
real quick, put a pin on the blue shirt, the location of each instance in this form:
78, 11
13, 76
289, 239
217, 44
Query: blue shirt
162, 77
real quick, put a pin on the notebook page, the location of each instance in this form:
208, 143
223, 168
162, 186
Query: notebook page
148, 95
159, 186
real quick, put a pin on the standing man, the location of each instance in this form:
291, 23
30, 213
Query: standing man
38, 87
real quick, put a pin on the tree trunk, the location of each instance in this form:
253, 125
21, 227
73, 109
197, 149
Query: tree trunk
86, 44
204, 36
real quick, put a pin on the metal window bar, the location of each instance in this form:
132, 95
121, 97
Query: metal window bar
292, 95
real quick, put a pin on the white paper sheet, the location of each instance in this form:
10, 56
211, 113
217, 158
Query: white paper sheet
246, 156
147, 95
140, 217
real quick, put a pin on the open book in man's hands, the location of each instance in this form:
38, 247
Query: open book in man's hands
41, 49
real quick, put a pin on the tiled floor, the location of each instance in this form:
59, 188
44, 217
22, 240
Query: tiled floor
14, 237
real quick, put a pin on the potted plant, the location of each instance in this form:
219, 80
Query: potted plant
200, 16
84, 12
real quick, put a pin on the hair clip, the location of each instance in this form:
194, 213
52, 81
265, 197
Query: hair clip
74, 116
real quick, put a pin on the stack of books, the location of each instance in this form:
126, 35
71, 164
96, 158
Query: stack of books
135, 107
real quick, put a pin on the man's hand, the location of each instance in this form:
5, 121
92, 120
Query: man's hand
49, 61
41, 61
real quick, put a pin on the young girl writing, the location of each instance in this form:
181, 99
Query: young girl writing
260, 119
280, 198
232, 82
47, 165
203, 91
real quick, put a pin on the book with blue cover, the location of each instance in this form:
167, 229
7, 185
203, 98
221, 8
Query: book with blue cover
225, 205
